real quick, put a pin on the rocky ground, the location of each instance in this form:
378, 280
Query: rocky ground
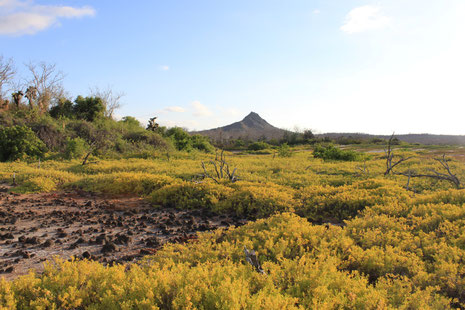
37, 227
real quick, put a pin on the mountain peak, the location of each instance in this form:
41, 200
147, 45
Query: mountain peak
253, 116
251, 127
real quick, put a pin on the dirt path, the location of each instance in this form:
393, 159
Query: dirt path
36, 227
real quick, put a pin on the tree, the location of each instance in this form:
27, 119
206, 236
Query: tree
89, 108
153, 125
110, 99
390, 156
63, 108
308, 135
17, 97
31, 95
7, 73
47, 81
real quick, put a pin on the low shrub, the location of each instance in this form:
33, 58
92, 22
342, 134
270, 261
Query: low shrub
258, 146
135, 183
189, 195
75, 148
330, 152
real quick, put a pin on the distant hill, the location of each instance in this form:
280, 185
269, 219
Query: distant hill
423, 138
252, 127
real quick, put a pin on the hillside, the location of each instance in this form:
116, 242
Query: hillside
410, 138
251, 127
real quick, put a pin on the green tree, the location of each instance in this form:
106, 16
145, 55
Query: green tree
63, 108
88, 108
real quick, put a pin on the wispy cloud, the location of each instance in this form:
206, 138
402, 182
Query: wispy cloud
25, 17
364, 18
200, 109
164, 68
316, 11
174, 109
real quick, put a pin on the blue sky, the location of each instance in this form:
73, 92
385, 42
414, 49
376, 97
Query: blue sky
353, 66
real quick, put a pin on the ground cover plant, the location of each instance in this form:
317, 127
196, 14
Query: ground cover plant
329, 234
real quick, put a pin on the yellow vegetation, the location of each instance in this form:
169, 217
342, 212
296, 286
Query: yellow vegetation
397, 249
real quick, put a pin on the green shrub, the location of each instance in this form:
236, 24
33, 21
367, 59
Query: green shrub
75, 148
201, 143
258, 146
18, 142
284, 150
330, 152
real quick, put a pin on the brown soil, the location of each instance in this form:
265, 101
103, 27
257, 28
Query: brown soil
37, 227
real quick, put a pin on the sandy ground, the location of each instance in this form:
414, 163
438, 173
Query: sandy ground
37, 227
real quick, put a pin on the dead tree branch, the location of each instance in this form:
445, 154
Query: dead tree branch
390, 156
363, 170
221, 169
449, 176
251, 257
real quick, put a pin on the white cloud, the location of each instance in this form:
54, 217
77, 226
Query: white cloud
174, 109
164, 68
316, 11
364, 18
200, 109
25, 17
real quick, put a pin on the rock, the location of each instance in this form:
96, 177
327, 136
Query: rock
86, 255
47, 243
108, 247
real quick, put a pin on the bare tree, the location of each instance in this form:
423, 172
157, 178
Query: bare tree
221, 169
7, 74
47, 81
111, 99
448, 176
390, 157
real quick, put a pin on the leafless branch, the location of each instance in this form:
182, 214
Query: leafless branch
449, 176
221, 169
111, 99
7, 74
390, 156
251, 258
363, 170
47, 81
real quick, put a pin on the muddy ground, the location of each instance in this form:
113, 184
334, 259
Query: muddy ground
37, 227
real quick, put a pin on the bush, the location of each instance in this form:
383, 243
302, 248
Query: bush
201, 143
187, 195
148, 137
40, 184
258, 146
129, 183
284, 150
330, 152
75, 148
185, 142
18, 142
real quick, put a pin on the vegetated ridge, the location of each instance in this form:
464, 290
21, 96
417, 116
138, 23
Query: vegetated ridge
252, 127
422, 138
